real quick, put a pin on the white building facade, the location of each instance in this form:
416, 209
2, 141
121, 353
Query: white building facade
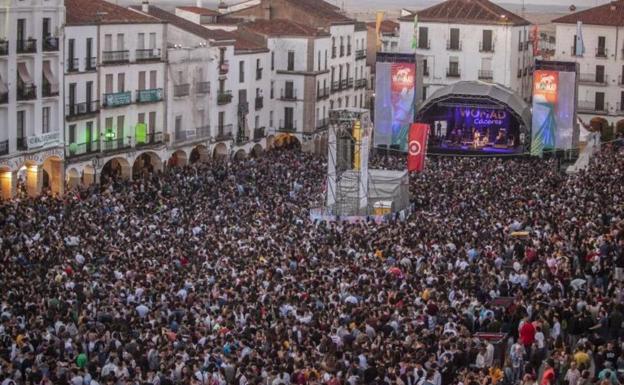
31, 109
462, 40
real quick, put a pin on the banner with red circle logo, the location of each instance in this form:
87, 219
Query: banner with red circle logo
417, 146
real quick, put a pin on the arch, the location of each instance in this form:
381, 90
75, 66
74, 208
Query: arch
117, 167
178, 159
88, 175
256, 151
619, 127
240, 154
287, 140
600, 124
220, 151
8, 182
270, 142
147, 162
72, 178
52, 175
199, 154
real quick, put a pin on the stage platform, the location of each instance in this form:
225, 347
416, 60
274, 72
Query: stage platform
470, 150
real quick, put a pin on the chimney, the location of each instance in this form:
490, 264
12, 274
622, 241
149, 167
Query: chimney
145, 6
199, 3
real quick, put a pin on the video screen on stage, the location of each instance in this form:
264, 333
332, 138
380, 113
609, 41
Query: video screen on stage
394, 103
554, 100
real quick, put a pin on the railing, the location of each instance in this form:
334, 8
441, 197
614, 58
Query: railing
258, 133
288, 126
150, 138
51, 44
115, 144
90, 64
46, 90
224, 67
77, 149
592, 78
181, 90
453, 73
489, 47
224, 97
343, 84
109, 57
288, 94
22, 144
322, 93
591, 107
27, 92
117, 99
453, 45
573, 52
224, 132
361, 83
73, 65
259, 102
360, 54
147, 54
602, 52
4, 147
202, 87
243, 107
149, 96
184, 135
322, 124
4, 48
350, 83
27, 46
202, 132
335, 87
258, 73
241, 138
79, 109
424, 44
486, 74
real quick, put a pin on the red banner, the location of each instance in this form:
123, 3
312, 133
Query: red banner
417, 146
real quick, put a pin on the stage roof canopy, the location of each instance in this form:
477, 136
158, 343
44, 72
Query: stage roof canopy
464, 91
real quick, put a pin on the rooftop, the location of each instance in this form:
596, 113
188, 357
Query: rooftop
467, 12
387, 26
200, 11
610, 14
84, 12
245, 45
282, 27
321, 9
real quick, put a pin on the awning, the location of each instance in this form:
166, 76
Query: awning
47, 72
22, 70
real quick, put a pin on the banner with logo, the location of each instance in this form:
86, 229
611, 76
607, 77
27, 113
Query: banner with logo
417, 148
545, 85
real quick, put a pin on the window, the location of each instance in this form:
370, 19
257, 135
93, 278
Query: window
141, 41
45, 120
108, 42
120, 42
289, 90
341, 46
108, 123
272, 61
333, 47
348, 45
288, 117
600, 74
152, 40
453, 69
486, 42
152, 122
272, 89
141, 80
621, 106
423, 37
221, 121
120, 127
241, 71
271, 119
600, 101
109, 83
454, 43
46, 27
221, 55
178, 124
346, 101
21, 124
318, 60
141, 118
121, 82
153, 80
258, 70
601, 51
257, 122
21, 30
325, 60
71, 46
291, 60
72, 133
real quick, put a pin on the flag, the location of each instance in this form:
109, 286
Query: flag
536, 40
379, 20
417, 146
580, 47
415, 36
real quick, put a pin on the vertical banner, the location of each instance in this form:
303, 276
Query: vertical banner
545, 98
415, 33
418, 138
378, 21
536, 40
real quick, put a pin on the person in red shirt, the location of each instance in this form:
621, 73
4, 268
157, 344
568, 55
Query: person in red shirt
548, 377
527, 333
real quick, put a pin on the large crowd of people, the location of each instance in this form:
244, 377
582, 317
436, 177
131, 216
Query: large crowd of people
508, 272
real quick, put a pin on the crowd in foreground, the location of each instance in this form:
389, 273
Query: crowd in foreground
213, 274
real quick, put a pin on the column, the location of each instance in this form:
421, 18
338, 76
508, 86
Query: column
34, 180
57, 176
8, 184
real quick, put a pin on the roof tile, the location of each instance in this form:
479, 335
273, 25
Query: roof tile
611, 14
80, 12
468, 12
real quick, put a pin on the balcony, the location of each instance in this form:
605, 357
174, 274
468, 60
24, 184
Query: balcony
243, 107
322, 93
4, 97
360, 54
43, 140
77, 110
181, 90
50, 44
258, 73
602, 52
487, 47
4, 47
117, 99
202, 87
592, 107
593, 79
452, 45
22, 144
453, 73
288, 126
114, 57
224, 132
573, 52
361, 83
224, 67
343, 84
47, 91
424, 44
350, 83
115, 144
73, 65
150, 139
184, 135
259, 102
27, 92
202, 132
77, 149
27, 46
322, 124
90, 64
258, 134
4, 147
241, 138
224, 97
335, 87
149, 96
288, 95
147, 54
486, 74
